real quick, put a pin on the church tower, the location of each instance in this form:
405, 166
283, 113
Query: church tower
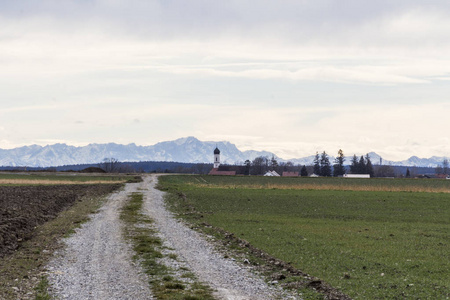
216, 158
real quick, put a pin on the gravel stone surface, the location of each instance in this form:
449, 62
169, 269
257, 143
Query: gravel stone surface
96, 263
226, 276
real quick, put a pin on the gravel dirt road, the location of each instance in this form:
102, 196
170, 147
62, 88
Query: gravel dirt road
96, 263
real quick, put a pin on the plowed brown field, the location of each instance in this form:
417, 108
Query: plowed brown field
22, 208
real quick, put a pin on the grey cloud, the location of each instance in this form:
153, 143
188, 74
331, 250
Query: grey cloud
203, 18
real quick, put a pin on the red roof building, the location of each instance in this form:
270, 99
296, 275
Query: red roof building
290, 174
215, 171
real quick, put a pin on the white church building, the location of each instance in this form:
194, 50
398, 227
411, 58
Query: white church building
216, 158
215, 169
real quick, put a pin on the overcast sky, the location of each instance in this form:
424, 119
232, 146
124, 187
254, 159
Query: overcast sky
292, 77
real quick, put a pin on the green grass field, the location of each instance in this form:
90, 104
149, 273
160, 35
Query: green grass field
326, 183
372, 239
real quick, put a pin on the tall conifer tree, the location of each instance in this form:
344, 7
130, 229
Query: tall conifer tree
303, 171
317, 164
325, 166
338, 168
273, 163
361, 166
354, 165
369, 166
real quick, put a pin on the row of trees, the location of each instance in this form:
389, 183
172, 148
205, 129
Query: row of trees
322, 164
261, 164
362, 166
323, 167
113, 165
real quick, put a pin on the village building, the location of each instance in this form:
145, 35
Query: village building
356, 176
272, 173
442, 176
289, 174
216, 158
215, 170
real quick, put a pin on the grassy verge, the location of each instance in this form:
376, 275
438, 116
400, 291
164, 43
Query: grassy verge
42, 290
166, 282
368, 244
22, 273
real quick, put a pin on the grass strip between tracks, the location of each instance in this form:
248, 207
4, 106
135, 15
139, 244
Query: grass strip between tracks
165, 282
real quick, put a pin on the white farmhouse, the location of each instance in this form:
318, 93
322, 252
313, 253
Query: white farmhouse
356, 175
272, 173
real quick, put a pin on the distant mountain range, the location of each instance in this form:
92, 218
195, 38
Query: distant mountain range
189, 150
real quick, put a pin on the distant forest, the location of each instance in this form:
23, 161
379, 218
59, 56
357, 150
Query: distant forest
113, 166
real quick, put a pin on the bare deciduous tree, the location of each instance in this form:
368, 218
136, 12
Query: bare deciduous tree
110, 165
260, 165
445, 166
384, 171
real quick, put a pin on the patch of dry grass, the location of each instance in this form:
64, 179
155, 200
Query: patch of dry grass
366, 188
320, 183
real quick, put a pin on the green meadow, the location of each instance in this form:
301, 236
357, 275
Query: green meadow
369, 238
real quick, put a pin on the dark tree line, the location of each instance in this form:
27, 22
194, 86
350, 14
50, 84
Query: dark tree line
112, 165
258, 166
362, 166
262, 164
322, 165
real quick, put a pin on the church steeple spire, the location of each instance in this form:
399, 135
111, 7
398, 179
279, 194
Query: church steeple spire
216, 158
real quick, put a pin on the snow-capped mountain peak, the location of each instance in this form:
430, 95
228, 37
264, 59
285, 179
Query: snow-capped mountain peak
187, 149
